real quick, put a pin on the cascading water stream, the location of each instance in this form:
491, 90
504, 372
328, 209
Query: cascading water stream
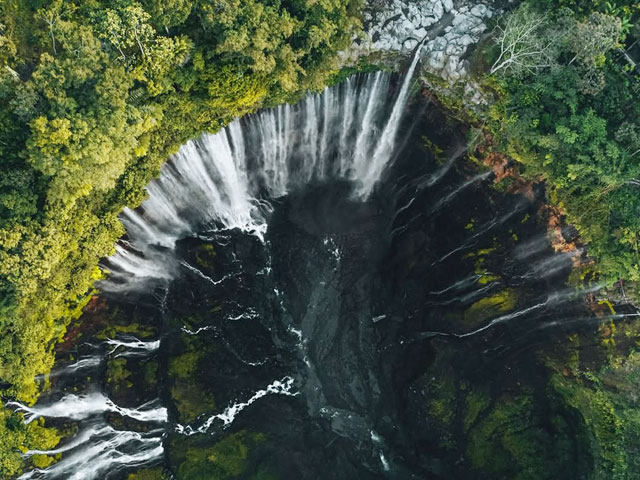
98, 449
348, 131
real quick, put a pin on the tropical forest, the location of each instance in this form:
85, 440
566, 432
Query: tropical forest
319, 239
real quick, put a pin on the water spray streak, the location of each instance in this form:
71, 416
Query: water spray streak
446, 199
459, 285
80, 407
483, 231
81, 364
132, 347
202, 275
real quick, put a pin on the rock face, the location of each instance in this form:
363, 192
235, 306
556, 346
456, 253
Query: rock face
448, 28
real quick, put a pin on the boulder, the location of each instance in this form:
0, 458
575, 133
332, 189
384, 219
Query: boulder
479, 11
438, 9
437, 60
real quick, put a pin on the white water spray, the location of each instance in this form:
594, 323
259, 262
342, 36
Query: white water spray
348, 131
80, 407
278, 387
132, 347
103, 451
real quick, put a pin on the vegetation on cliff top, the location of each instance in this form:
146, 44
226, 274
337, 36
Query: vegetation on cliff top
94, 96
566, 110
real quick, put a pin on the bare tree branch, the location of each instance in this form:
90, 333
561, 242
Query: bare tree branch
526, 43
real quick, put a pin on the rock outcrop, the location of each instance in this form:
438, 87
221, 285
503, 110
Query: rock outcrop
448, 28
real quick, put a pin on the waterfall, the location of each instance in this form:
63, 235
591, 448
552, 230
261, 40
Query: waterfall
386, 144
79, 407
81, 364
222, 180
100, 450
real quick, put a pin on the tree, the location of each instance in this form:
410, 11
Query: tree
124, 28
590, 41
51, 16
169, 13
593, 38
526, 43
164, 56
7, 47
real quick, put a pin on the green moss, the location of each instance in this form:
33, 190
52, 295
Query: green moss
264, 472
363, 66
205, 255
480, 257
229, 458
151, 373
508, 443
608, 304
441, 407
605, 427
191, 400
476, 402
486, 279
117, 373
487, 307
573, 347
442, 399
434, 149
141, 331
184, 365
148, 474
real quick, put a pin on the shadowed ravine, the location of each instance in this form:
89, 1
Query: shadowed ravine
312, 293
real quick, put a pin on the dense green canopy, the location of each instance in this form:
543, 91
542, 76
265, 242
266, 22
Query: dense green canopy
571, 118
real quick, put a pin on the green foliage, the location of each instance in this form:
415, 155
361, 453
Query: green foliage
94, 95
575, 125
151, 373
604, 396
512, 441
487, 307
134, 328
441, 402
603, 423
205, 254
191, 399
16, 437
189, 396
586, 7
476, 402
